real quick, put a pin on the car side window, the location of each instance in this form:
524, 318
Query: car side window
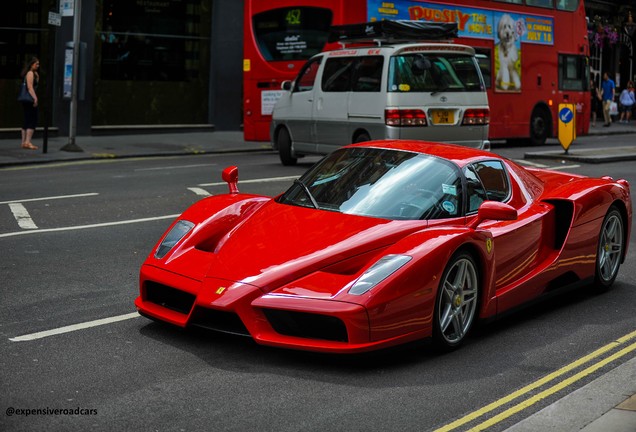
486, 180
337, 74
307, 76
368, 76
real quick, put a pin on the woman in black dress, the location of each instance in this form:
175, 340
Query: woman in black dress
31, 77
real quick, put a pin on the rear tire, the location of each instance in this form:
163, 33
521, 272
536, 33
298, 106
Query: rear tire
284, 143
540, 126
363, 137
456, 302
609, 252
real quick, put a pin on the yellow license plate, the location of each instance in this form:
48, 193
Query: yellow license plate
443, 116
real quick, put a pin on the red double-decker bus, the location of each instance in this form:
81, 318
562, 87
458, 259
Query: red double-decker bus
533, 54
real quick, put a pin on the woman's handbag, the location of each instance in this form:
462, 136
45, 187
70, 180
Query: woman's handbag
24, 96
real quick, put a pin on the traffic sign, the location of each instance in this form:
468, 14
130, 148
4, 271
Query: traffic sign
567, 125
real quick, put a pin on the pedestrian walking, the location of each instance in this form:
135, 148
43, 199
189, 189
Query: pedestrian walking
608, 89
627, 101
30, 79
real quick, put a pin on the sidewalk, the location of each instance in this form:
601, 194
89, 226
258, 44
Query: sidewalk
607, 404
127, 146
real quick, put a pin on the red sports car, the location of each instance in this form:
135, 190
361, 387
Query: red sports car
385, 242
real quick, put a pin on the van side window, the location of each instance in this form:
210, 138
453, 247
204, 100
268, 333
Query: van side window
368, 76
307, 76
337, 74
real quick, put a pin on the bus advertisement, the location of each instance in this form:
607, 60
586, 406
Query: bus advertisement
533, 56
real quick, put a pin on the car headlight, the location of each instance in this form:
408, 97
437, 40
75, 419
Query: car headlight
178, 231
382, 269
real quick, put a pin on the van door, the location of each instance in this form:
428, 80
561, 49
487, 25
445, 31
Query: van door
331, 104
301, 105
367, 99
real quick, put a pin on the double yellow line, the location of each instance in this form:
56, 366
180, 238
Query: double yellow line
543, 381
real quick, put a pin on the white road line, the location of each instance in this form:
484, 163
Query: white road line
22, 216
563, 167
174, 167
263, 180
534, 164
74, 327
49, 198
100, 225
199, 191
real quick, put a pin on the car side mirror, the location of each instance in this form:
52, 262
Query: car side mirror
494, 210
286, 85
230, 176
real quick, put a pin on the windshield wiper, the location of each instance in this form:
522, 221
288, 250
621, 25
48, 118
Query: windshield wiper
433, 93
307, 192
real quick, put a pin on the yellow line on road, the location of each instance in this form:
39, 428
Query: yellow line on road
525, 390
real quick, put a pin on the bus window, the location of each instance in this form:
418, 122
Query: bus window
485, 65
540, 3
567, 5
291, 33
572, 72
512, 1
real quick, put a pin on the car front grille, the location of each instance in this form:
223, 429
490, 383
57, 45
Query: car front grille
307, 325
168, 297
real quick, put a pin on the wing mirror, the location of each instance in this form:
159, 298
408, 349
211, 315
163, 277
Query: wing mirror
286, 85
230, 176
494, 210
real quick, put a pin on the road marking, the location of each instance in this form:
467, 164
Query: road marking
199, 191
80, 227
539, 383
263, 180
563, 167
49, 198
74, 327
174, 167
534, 164
22, 216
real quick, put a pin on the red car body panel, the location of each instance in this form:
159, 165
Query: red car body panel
252, 265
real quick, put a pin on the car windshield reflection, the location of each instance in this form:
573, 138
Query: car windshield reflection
380, 183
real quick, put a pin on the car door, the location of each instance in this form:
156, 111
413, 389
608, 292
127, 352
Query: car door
516, 243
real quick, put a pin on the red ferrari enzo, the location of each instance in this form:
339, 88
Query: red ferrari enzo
385, 242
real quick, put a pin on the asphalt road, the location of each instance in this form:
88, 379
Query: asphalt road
96, 222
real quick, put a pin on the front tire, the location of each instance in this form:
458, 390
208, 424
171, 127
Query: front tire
609, 252
284, 148
456, 303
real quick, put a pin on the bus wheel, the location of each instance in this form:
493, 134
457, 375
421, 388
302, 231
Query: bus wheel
284, 148
539, 126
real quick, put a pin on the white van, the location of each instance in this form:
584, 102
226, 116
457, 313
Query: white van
426, 90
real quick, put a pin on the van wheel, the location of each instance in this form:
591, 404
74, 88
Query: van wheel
284, 148
362, 138
539, 126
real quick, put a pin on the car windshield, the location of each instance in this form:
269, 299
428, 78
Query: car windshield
434, 73
382, 183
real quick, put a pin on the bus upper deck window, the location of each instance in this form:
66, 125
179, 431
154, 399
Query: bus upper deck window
567, 5
541, 3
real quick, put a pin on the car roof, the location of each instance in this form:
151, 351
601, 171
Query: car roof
460, 155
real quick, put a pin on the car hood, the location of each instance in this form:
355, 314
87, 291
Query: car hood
279, 243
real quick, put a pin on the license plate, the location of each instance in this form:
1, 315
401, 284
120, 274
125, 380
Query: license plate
443, 117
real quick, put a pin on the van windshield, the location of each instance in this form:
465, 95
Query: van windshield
434, 73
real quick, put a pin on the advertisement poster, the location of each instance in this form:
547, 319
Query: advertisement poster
507, 31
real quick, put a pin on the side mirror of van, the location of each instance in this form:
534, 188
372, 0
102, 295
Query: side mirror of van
286, 85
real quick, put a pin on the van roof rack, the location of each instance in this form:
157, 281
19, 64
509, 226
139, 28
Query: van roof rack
388, 31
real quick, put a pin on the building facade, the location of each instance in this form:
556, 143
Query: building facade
178, 63
143, 63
